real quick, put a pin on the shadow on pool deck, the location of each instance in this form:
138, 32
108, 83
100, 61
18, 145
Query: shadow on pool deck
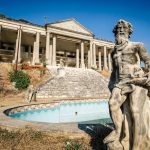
97, 132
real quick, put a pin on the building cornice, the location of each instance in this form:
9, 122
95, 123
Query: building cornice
15, 25
70, 31
72, 19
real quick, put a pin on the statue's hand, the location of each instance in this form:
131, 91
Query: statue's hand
148, 78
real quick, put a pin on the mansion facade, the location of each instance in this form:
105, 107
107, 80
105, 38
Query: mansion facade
66, 40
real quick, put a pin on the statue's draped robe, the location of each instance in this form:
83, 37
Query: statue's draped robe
136, 125
136, 109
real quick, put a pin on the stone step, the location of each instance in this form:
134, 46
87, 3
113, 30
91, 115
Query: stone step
74, 82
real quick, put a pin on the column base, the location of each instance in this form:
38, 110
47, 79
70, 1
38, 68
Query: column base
13, 61
54, 64
82, 66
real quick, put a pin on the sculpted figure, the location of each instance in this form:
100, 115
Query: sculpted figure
129, 103
31, 94
62, 62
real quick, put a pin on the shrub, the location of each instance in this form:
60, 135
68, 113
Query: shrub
20, 78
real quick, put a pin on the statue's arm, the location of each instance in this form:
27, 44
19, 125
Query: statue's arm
113, 77
144, 55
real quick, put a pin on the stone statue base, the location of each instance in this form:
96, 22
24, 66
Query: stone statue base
135, 134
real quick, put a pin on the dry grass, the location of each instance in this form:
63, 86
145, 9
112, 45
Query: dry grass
31, 139
27, 139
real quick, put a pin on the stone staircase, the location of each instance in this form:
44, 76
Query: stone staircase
74, 83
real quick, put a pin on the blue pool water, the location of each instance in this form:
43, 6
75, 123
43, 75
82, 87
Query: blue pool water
93, 112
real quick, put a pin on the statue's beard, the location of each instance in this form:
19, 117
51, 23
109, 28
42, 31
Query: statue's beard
121, 39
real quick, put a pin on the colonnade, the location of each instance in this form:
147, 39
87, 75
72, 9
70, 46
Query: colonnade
99, 56
94, 57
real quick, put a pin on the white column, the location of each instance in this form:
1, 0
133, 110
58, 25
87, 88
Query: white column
36, 47
47, 47
19, 52
109, 61
50, 52
99, 60
82, 55
89, 59
22, 55
77, 55
17, 56
29, 52
16, 47
54, 51
105, 59
43, 53
94, 55
91, 53
0, 36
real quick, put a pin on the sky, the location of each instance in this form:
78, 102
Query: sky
99, 16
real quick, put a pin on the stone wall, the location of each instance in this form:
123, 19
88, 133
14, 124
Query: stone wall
74, 83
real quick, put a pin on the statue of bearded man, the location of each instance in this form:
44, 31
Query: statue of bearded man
129, 103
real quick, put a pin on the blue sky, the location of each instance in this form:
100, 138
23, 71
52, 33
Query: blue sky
99, 16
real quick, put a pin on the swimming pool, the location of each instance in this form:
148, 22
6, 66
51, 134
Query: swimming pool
69, 111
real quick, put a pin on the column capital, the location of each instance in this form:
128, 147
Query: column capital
82, 41
54, 35
20, 28
91, 40
77, 44
37, 36
47, 33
